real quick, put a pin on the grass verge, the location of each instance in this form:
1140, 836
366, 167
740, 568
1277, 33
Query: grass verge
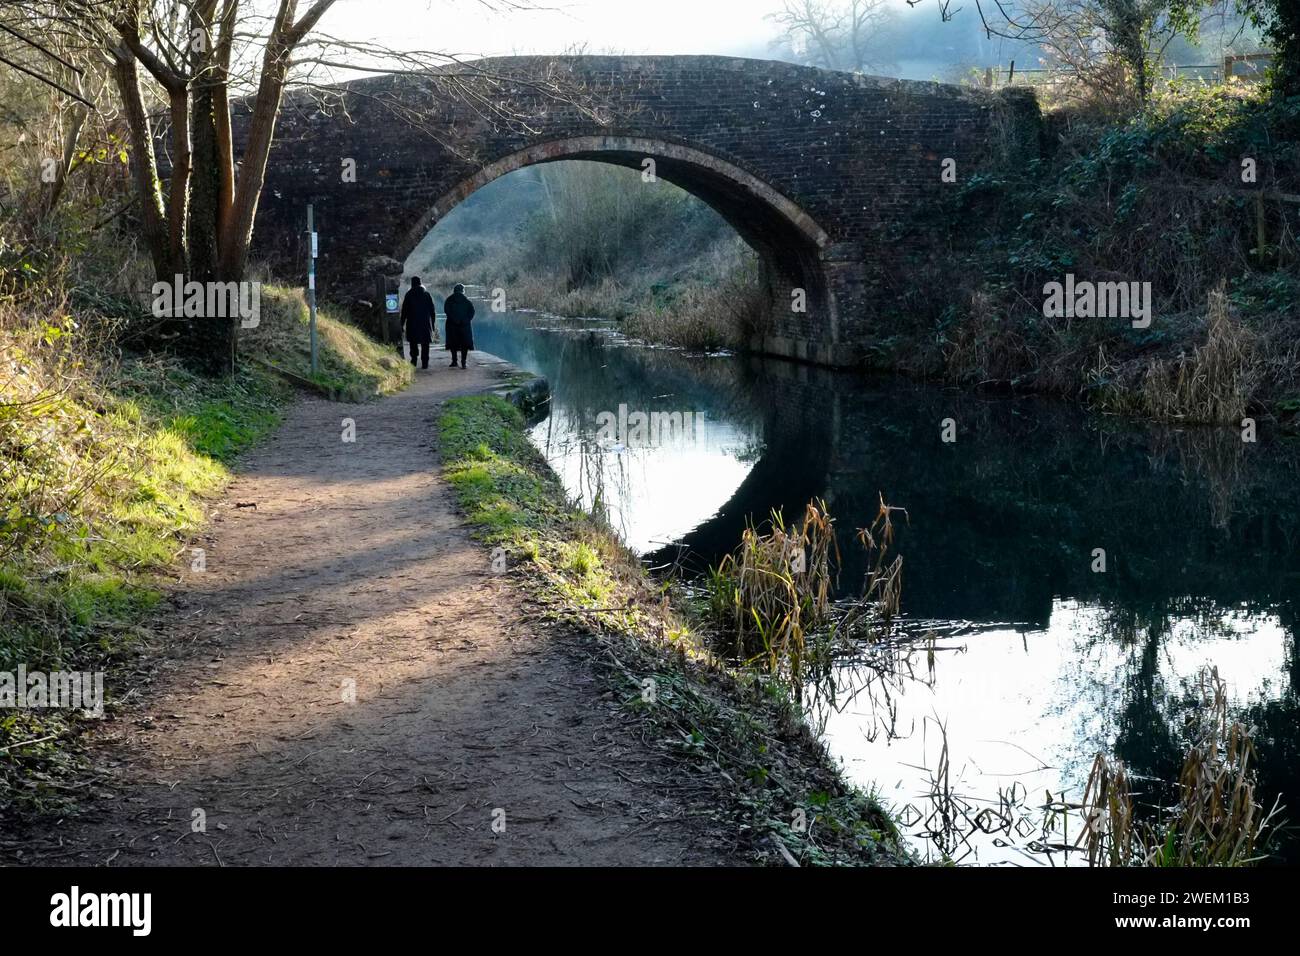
105, 473
350, 365
106, 460
736, 731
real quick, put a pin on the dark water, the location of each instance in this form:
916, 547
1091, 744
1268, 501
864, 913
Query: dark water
1041, 662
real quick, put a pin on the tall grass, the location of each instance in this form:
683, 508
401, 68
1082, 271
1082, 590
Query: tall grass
776, 588
774, 596
882, 587
1217, 820
727, 312
1216, 382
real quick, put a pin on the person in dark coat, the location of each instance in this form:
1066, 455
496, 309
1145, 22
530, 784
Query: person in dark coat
460, 336
417, 320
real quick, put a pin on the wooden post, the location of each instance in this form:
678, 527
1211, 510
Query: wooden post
381, 295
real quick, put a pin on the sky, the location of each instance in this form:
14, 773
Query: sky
470, 28
466, 27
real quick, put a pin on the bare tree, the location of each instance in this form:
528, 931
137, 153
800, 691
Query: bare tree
187, 49
194, 58
834, 34
53, 61
1114, 47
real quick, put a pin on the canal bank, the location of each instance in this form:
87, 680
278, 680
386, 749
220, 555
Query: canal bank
750, 764
346, 680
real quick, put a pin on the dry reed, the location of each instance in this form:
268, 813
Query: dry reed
1218, 819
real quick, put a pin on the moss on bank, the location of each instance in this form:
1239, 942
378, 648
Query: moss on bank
736, 732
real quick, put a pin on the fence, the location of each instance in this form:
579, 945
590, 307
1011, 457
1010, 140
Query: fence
1244, 67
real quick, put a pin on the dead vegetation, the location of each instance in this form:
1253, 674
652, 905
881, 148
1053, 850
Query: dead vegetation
775, 589
1213, 384
1217, 819
773, 602
1213, 381
1118, 199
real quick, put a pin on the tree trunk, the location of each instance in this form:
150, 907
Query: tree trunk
179, 188
144, 163
205, 186
221, 112
213, 338
205, 178
252, 174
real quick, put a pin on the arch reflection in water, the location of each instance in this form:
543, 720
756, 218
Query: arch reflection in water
653, 484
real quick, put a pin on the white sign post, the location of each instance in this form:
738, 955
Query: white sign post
311, 285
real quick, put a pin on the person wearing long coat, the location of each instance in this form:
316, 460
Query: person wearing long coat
418, 320
460, 335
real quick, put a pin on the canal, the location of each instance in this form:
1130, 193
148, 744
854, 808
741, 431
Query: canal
1023, 655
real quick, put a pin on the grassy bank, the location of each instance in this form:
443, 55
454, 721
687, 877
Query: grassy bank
107, 460
1190, 196
350, 365
738, 731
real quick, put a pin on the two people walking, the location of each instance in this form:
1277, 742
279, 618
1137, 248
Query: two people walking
419, 323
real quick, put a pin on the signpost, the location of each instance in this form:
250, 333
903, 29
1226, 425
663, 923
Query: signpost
311, 284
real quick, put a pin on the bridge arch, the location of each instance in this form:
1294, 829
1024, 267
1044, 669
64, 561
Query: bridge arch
787, 239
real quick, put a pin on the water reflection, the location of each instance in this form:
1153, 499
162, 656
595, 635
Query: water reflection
1029, 659
652, 487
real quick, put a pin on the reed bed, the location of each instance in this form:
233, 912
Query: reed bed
1215, 383
775, 588
774, 596
1218, 819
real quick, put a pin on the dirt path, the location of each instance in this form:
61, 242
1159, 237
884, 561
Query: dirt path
355, 566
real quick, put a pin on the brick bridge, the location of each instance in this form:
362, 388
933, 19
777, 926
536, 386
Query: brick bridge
820, 172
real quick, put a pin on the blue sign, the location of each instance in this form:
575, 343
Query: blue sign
390, 301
